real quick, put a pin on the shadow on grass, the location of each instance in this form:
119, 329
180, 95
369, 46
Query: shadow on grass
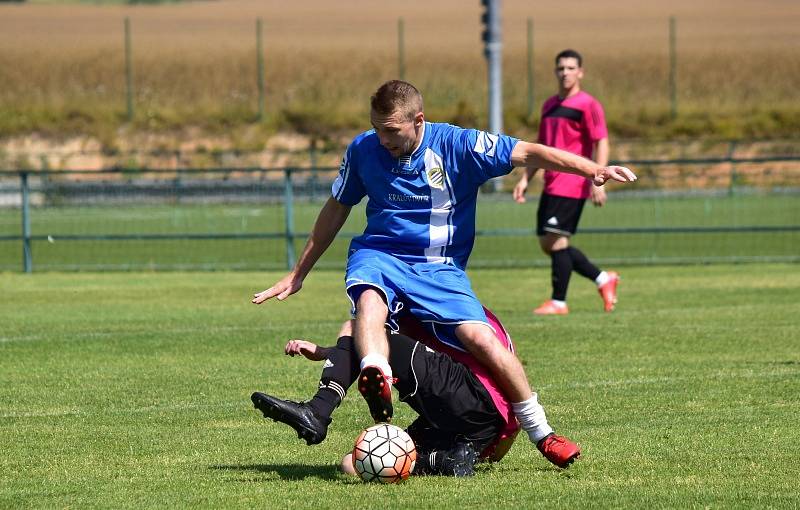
774, 362
286, 471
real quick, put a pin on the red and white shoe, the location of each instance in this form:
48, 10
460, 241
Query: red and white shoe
559, 450
376, 388
550, 308
608, 291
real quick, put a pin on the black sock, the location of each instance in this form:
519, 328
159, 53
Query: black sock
561, 268
341, 370
582, 265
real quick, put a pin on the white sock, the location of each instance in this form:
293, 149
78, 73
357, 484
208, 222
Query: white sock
559, 304
378, 361
602, 279
531, 417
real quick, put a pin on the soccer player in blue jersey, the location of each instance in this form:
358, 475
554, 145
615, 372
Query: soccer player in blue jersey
421, 180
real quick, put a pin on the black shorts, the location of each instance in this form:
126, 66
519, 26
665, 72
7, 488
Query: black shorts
452, 404
558, 215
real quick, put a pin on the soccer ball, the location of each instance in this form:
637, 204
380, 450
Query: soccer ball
384, 453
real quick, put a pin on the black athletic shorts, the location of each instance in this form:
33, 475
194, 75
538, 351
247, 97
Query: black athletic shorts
558, 215
452, 404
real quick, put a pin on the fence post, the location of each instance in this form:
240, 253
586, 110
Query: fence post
27, 254
260, 66
401, 49
733, 177
289, 217
312, 179
128, 69
530, 68
673, 64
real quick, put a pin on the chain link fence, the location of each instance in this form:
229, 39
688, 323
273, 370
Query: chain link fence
680, 211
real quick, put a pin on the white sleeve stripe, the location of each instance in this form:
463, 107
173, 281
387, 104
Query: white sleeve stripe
341, 179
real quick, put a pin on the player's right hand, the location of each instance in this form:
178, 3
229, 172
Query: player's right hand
284, 288
519, 191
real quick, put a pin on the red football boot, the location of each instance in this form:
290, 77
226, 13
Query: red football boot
377, 391
559, 450
608, 291
550, 308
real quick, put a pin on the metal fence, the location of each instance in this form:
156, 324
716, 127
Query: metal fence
680, 211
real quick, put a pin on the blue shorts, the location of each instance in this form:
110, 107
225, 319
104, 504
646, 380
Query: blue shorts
438, 295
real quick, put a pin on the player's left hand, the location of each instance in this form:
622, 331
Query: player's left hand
613, 173
598, 195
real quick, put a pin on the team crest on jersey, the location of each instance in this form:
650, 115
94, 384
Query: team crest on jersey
435, 178
486, 143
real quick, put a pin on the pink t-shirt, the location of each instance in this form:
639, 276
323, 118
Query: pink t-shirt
573, 124
415, 330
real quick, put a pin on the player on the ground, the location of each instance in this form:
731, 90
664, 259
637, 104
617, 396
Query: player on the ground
571, 120
462, 413
422, 181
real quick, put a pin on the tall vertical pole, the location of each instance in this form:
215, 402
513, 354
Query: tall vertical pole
27, 254
401, 50
128, 69
289, 218
530, 69
673, 72
494, 57
493, 49
260, 66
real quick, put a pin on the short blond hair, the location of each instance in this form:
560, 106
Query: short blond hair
397, 96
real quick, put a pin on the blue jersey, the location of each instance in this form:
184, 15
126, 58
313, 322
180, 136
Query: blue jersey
421, 208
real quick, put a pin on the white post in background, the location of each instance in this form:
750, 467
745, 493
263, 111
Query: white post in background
493, 49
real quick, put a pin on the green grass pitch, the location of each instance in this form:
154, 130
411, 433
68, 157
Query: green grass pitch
130, 390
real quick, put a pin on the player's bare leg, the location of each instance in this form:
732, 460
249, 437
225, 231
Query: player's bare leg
510, 375
372, 346
506, 368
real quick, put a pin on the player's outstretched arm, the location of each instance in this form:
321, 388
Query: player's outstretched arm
329, 222
534, 155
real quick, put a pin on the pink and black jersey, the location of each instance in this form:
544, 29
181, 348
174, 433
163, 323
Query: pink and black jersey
414, 329
574, 124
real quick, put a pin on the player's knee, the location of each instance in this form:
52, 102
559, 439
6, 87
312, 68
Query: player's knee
346, 329
481, 342
370, 297
551, 243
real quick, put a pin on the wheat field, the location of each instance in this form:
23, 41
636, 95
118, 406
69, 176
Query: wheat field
62, 66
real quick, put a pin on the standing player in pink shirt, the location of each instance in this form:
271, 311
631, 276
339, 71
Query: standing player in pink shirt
573, 121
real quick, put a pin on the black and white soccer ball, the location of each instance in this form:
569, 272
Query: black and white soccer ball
384, 453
